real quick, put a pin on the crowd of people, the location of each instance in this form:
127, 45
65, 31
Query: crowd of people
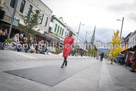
75, 52
23, 43
127, 59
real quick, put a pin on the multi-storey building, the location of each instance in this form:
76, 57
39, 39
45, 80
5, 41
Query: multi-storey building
58, 28
23, 8
132, 41
125, 41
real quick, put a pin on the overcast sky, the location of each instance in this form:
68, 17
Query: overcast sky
102, 13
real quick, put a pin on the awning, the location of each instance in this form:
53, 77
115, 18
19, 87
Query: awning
130, 49
47, 37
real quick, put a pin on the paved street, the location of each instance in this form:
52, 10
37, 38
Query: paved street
37, 72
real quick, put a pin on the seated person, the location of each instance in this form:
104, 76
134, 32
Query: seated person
1, 32
16, 39
32, 49
21, 39
4, 36
16, 42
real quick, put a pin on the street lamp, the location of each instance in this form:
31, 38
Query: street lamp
78, 32
121, 25
12, 19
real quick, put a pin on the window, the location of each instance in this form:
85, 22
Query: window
42, 18
22, 6
55, 27
62, 32
30, 10
46, 22
58, 30
12, 3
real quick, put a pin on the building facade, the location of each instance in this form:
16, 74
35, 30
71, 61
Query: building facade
58, 28
132, 40
58, 31
23, 8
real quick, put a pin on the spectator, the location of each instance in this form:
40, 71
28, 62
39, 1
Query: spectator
29, 42
36, 46
130, 61
1, 45
43, 47
32, 49
1, 32
21, 39
25, 45
4, 36
16, 39
119, 59
134, 62
16, 42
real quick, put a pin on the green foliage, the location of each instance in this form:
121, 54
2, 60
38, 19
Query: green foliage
89, 50
58, 50
92, 52
31, 22
9, 40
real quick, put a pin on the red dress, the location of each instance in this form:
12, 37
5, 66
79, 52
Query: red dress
68, 43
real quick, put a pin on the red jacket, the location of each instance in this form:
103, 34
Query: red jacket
68, 43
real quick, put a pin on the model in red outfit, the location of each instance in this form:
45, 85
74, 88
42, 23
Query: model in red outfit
68, 44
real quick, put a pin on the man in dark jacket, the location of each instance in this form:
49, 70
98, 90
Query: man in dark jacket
102, 56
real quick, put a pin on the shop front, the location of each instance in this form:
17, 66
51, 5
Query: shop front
5, 24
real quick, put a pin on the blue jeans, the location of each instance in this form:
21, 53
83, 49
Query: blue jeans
18, 47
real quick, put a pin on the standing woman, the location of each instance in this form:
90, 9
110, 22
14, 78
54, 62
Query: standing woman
68, 44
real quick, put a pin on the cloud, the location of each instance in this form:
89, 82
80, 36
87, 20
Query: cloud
101, 34
123, 7
103, 13
132, 16
104, 35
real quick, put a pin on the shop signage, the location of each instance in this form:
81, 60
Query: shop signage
7, 19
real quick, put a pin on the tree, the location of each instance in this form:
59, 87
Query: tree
89, 50
92, 52
31, 21
115, 46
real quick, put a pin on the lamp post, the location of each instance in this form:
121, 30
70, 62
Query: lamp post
121, 26
78, 32
12, 19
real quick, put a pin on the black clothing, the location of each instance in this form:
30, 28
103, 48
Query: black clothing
64, 62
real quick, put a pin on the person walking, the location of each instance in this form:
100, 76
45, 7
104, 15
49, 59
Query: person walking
68, 44
102, 56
